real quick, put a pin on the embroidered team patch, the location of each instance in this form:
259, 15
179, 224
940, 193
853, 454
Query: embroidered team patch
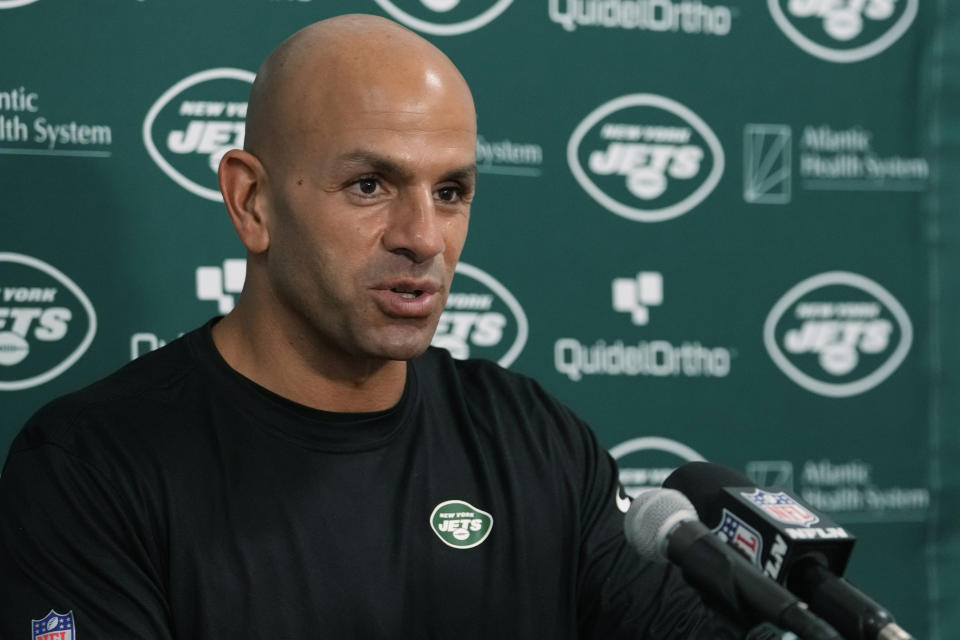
54, 626
782, 507
460, 525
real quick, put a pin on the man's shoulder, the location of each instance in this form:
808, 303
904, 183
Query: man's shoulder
135, 389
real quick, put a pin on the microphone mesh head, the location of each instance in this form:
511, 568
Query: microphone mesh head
652, 517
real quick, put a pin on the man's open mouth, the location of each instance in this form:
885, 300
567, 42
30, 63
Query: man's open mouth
408, 293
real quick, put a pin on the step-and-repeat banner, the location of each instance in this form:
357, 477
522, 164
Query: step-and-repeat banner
719, 230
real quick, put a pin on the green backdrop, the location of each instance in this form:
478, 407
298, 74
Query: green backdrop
724, 230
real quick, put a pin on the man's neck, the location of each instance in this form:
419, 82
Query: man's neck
335, 382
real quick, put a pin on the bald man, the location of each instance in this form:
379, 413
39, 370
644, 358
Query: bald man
352, 198
307, 466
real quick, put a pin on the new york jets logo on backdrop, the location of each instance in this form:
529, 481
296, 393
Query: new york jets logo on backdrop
646, 462
460, 525
645, 157
11, 4
838, 334
481, 319
194, 122
843, 30
444, 17
46, 322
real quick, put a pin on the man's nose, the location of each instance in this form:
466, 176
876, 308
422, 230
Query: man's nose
415, 228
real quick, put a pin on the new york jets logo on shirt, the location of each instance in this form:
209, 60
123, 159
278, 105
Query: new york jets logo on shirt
459, 524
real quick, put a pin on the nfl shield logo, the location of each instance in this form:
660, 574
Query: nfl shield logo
741, 535
54, 626
782, 507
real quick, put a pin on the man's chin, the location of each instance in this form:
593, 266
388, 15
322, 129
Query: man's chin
407, 348
402, 353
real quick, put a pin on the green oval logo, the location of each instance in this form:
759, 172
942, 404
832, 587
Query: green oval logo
460, 525
46, 322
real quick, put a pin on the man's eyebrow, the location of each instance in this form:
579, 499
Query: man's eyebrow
385, 165
374, 161
466, 172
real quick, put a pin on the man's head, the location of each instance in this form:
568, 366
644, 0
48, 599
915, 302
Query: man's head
353, 192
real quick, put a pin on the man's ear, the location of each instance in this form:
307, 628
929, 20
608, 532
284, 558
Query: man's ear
243, 185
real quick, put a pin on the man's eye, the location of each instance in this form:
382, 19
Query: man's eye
448, 194
368, 186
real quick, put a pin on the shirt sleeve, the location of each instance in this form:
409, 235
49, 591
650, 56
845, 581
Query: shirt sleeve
69, 545
621, 595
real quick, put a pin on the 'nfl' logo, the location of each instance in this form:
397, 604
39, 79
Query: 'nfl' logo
782, 507
54, 626
741, 535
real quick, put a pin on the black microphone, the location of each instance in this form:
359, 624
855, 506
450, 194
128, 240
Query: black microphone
793, 544
662, 524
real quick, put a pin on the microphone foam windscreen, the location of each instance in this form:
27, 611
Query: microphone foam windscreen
702, 483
